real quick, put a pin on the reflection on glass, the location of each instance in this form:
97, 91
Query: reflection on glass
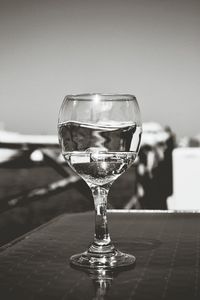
102, 280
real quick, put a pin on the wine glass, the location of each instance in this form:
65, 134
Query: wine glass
100, 135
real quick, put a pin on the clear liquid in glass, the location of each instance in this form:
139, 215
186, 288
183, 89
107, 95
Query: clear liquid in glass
91, 149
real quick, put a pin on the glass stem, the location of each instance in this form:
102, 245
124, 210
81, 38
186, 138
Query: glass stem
102, 241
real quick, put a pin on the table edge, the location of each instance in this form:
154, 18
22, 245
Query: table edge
128, 211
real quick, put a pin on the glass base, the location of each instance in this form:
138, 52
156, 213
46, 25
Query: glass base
112, 260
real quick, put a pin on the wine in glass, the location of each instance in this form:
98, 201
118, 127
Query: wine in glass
100, 137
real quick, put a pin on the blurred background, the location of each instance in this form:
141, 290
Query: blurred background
52, 48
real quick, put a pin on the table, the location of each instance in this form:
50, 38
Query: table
166, 245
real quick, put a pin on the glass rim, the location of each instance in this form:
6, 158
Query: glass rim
100, 97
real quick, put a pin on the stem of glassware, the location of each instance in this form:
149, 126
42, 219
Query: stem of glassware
102, 241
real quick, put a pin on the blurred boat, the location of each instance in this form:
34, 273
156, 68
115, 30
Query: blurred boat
17, 140
15, 146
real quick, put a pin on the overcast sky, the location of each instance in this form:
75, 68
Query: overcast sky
150, 48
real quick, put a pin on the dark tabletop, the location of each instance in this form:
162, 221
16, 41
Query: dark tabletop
166, 245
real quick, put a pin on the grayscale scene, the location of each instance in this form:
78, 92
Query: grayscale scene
99, 149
